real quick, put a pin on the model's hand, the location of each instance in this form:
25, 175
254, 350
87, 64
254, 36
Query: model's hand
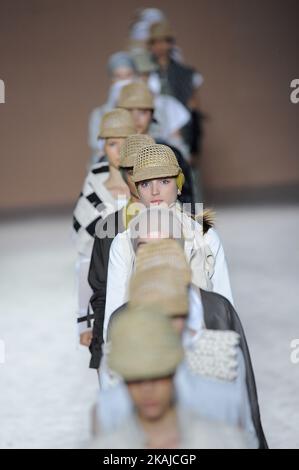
85, 338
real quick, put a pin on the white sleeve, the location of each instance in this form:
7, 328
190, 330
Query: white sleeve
171, 114
117, 279
220, 278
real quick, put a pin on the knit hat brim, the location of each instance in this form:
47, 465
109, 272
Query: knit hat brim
116, 133
131, 367
136, 105
149, 173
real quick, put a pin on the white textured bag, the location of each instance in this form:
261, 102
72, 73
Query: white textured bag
214, 354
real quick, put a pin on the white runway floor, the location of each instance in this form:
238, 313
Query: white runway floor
46, 388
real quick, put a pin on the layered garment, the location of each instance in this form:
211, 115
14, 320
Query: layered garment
214, 312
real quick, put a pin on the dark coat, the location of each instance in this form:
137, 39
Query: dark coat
97, 279
219, 314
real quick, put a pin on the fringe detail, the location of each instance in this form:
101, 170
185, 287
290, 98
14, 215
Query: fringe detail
208, 217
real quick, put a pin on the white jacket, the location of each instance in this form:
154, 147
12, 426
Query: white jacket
122, 258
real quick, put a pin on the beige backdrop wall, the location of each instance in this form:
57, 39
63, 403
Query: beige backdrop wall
52, 59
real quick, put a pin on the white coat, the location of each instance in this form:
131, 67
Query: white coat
122, 258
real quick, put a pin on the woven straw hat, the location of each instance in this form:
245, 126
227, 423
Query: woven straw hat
160, 30
162, 285
130, 148
144, 345
136, 95
164, 253
117, 123
155, 161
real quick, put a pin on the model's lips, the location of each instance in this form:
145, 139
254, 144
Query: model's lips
150, 404
156, 201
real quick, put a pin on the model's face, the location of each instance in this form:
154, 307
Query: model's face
161, 48
142, 119
122, 73
144, 76
179, 322
152, 398
158, 191
112, 150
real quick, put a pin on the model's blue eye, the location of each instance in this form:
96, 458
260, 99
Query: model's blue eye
165, 181
144, 184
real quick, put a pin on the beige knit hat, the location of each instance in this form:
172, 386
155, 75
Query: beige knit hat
132, 145
116, 123
155, 161
144, 345
161, 30
136, 95
162, 285
163, 253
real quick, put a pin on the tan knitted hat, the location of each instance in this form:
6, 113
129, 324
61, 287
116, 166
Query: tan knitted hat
161, 30
144, 345
136, 95
163, 253
162, 285
155, 161
116, 123
130, 148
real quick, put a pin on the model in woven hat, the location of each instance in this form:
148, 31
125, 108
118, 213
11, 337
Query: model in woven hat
212, 379
106, 230
170, 114
122, 255
183, 83
166, 258
140, 25
140, 30
121, 71
163, 276
159, 180
145, 352
176, 78
138, 99
104, 192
